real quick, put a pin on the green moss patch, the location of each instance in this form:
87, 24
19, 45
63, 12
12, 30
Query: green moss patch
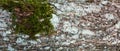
30, 16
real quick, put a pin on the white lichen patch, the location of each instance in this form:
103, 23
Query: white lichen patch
4, 13
47, 48
67, 27
77, 9
55, 20
8, 31
10, 48
104, 2
117, 25
65, 43
109, 16
19, 40
87, 32
6, 39
33, 42
62, 36
92, 8
73, 41
75, 36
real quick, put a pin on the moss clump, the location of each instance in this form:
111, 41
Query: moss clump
30, 16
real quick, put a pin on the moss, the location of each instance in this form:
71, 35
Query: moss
90, 1
30, 16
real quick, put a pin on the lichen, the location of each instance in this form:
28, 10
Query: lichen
30, 16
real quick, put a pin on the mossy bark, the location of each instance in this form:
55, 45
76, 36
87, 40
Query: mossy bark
30, 16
